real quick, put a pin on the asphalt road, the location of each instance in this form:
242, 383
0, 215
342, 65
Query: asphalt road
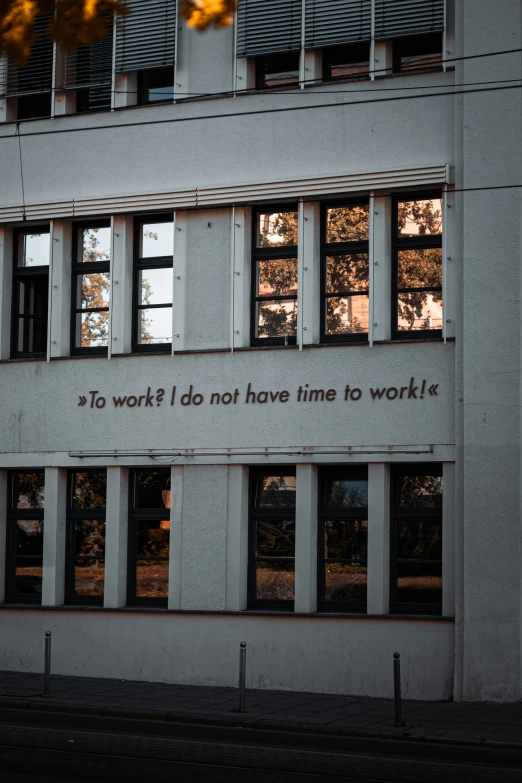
48, 747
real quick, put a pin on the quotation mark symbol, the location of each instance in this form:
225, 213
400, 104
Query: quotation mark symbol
83, 400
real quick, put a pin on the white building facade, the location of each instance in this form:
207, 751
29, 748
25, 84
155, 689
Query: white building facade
259, 295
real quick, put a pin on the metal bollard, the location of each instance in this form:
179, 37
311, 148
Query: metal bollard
47, 665
397, 689
242, 674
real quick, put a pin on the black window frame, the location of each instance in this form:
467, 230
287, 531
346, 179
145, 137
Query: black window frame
144, 78
154, 262
20, 273
72, 515
411, 243
341, 248
328, 55
78, 268
254, 514
13, 515
137, 514
412, 514
349, 514
260, 254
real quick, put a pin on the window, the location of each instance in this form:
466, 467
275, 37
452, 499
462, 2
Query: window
349, 61
274, 277
85, 569
417, 53
30, 86
345, 271
156, 85
91, 287
153, 278
25, 522
30, 291
272, 538
88, 71
416, 540
277, 70
149, 537
343, 539
417, 266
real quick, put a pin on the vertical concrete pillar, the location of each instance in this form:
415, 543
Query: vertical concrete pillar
60, 309
176, 536
125, 90
448, 539
181, 227
380, 223
121, 304
378, 538
3, 532
6, 284
53, 586
311, 272
306, 539
242, 275
237, 539
116, 537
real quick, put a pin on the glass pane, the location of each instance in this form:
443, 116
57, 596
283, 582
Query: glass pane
275, 581
155, 326
347, 273
276, 229
345, 492
275, 538
28, 537
89, 489
416, 62
157, 239
152, 489
276, 318
34, 249
152, 579
155, 286
350, 70
347, 314
420, 539
344, 582
28, 577
347, 224
88, 537
346, 539
419, 268
420, 218
33, 296
273, 491
419, 311
279, 70
29, 489
95, 244
92, 329
419, 584
92, 290
277, 276
89, 577
152, 537
420, 491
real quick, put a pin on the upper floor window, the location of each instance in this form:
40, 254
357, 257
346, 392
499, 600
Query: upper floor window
417, 266
153, 283
25, 522
28, 88
417, 53
274, 276
345, 271
91, 287
32, 255
348, 61
156, 85
277, 70
86, 509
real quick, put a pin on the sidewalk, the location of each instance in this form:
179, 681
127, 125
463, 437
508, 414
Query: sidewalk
489, 724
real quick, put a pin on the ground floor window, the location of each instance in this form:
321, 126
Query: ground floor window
86, 504
25, 512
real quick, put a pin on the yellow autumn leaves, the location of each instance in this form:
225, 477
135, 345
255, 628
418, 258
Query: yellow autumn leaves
75, 22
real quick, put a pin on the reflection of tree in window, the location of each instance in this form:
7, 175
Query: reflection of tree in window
94, 293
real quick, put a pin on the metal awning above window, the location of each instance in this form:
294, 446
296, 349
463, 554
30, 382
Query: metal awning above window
146, 38
395, 18
268, 26
37, 75
330, 22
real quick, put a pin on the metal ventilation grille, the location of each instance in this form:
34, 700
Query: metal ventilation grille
89, 69
267, 26
147, 37
342, 21
394, 18
37, 75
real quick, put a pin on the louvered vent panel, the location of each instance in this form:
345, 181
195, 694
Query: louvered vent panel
394, 18
146, 37
90, 67
37, 75
330, 22
268, 26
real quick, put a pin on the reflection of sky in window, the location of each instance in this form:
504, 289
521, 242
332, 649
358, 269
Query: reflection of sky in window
156, 325
156, 287
102, 247
36, 249
157, 239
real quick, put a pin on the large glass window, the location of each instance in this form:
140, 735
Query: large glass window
348, 61
86, 508
277, 70
417, 258
31, 291
416, 540
417, 53
274, 277
272, 538
345, 272
91, 287
149, 537
343, 539
153, 279
25, 520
